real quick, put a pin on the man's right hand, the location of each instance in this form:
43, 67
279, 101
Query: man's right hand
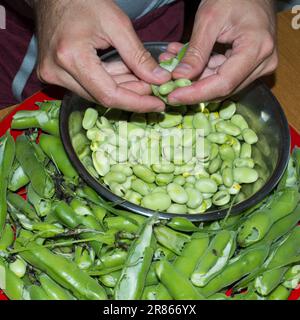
70, 32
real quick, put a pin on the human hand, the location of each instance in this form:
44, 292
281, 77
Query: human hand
69, 34
250, 26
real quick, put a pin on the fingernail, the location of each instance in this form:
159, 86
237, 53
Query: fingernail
160, 108
160, 72
183, 68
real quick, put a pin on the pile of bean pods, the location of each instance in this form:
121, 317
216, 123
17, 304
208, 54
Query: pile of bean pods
182, 161
64, 242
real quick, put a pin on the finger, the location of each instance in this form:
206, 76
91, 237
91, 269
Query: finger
216, 61
137, 58
174, 47
166, 56
124, 78
67, 81
87, 69
115, 67
230, 75
204, 36
265, 68
139, 87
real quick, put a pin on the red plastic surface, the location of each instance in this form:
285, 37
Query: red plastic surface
29, 104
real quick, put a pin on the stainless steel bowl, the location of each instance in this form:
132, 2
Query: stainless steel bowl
259, 107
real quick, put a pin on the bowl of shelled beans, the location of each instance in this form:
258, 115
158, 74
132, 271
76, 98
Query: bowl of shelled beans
200, 162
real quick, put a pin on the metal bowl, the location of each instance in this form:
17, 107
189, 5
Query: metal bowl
259, 107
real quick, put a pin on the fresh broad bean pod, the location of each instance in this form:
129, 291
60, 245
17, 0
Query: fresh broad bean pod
269, 280
41, 181
15, 287
292, 277
7, 238
65, 272
133, 276
53, 290
17, 178
173, 240
287, 252
53, 148
177, 285
237, 268
211, 263
7, 154
260, 222
280, 293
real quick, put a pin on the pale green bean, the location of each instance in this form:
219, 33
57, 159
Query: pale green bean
206, 185
194, 198
245, 175
157, 201
177, 193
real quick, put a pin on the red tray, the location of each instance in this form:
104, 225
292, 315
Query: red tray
54, 94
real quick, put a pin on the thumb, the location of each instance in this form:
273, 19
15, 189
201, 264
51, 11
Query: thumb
138, 59
205, 33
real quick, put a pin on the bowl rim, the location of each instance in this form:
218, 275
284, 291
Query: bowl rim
217, 214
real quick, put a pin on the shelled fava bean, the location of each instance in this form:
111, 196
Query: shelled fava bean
181, 161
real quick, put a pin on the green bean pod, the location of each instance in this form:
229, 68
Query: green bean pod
7, 154
53, 290
13, 285
292, 277
269, 280
63, 271
287, 251
282, 226
192, 252
112, 259
54, 149
21, 205
182, 224
133, 276
42, 206
171, 239
37, 293
237, 268
215, 258
120, 224
280, 293
42, 183
7, 238
260, 222
35, 119
178, 286
110, 280
17, 178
